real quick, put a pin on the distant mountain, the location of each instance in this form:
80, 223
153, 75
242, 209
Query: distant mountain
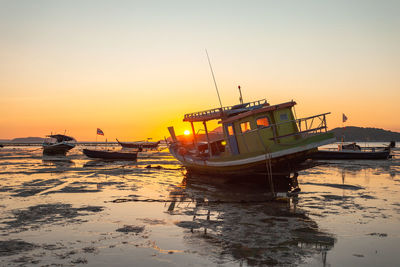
28, 140
353, 134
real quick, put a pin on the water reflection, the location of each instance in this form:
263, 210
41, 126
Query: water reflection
357, 167
108, 163
237, 220
61, 163
360, 168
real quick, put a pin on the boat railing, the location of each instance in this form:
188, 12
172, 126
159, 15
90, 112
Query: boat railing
218, 112
308, 125
305, 127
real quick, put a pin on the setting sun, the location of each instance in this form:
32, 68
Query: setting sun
186, 132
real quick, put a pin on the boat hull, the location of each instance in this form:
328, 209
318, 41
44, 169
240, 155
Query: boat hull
57, 149
286, 159
137, 145
109, 155
345, 155
282, 164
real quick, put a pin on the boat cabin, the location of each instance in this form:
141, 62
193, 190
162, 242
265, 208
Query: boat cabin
249, 128
253, 131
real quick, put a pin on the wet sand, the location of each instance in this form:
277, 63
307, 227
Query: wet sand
69, 211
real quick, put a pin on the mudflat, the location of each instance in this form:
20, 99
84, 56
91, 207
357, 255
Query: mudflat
68, 211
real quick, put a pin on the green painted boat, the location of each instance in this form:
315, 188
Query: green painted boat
253, 137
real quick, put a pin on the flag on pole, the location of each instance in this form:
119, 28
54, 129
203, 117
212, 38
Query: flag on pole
344, 118
99, 131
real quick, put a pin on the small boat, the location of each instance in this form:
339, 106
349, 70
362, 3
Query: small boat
354, 151
110, 155
140, 144
58, 144
253, 137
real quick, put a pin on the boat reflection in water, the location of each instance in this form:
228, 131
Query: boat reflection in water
363, 167
60, 162
100, 163
236, 220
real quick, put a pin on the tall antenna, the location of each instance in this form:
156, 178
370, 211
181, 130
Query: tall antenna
215, 83
240, 98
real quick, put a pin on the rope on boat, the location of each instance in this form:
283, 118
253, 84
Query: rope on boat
268, 164
269, 172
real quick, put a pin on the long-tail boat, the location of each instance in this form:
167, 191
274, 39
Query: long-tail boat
110, 155
256, 136
354, 151
58, 144
140, 144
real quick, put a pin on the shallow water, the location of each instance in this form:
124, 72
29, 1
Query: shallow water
69, 211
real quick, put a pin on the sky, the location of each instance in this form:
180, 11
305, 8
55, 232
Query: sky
133, 68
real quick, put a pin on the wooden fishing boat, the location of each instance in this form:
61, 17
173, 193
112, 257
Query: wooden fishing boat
140, 144
58, 144
255, 136
353, 151
110, 155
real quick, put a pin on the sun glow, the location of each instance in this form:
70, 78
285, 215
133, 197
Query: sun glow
92, 65
186, 132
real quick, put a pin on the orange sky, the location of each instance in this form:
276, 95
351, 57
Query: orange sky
133, 69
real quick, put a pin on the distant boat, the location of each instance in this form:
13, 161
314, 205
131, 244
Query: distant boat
58, 144
354, 151
110, 155
140, 144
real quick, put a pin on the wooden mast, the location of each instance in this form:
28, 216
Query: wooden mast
194, 135
208, 139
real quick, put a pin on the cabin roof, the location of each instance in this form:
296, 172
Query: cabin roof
219, 113
61, 137
260, 110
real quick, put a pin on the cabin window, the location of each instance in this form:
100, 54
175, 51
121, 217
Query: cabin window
245, 126
284, 117
263, 122
230, 130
